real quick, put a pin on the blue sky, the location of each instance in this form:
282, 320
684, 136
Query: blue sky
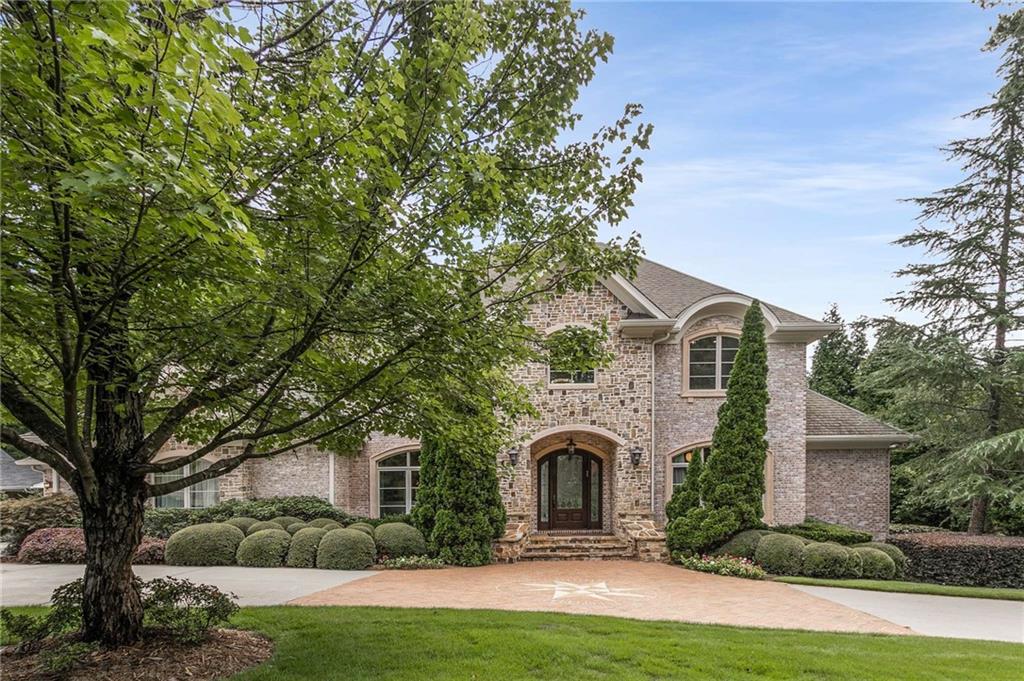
785, 135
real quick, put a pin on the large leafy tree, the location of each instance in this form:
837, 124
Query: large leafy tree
971, 286
836, 358
731, 484
272, 223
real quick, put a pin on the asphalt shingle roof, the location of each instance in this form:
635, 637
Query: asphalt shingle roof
825, 416
15, 477
674, 291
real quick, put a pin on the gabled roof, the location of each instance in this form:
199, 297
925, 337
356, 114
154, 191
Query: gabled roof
15, 477
832, 422
673, 291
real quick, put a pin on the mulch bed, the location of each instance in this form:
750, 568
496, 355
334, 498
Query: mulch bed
155, 658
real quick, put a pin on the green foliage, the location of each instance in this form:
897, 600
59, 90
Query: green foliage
963, 559
726, 565
412, 563
163, 522
21, 517
295, 527
780, 554
64, 656
185, 609
835, 361
821, 531
263, 525
325, 523
743, 545
285, 520
732, 482
899, 559
266, 548
687, 495
345, 549
578, 350
242, 523
398, 540
302, 552
823, 559
366, 528
854, 565
875, 564
205, 544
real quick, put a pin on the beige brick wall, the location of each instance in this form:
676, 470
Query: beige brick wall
850, 487
304, 471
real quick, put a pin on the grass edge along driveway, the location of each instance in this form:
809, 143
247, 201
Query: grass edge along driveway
910, 588
357, 643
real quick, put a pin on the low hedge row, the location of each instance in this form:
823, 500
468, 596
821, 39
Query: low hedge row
821, 531
963, 559
67, 545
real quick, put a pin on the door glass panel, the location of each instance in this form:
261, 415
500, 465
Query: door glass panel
595, 491
570, 481
544, 498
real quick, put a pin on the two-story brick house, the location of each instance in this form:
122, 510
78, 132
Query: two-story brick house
592, 474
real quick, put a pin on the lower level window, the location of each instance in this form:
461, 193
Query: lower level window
681, 463
199, 495
398, 478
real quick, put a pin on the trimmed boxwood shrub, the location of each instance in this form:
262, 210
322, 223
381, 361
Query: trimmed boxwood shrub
398, 540
821, 531
742, 545
286, 520
163, 522
264, 525
325, 522
366, 528
854, 565
780, 554
205, 544
968, 560
345, 549
302, 552
242, 522
266, 548
893, 552
295, 527
824, 559
875, 564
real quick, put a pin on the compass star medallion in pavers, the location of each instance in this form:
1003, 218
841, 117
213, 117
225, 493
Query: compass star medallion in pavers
597, 590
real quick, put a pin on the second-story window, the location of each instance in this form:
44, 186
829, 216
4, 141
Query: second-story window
710, 361
575, 353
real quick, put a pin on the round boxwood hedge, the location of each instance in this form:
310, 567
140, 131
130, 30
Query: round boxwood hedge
266, 548
397, 540
366, 528
295, 527
302, 553
898, 557
876, 563
742, 545
242, 522
204, 544
264, 525
854, 564
825, 559
325, 522
286, 520
780, 554
345, 549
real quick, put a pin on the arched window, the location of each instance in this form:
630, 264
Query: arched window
709, 361
200, 495
681, 463
398, 478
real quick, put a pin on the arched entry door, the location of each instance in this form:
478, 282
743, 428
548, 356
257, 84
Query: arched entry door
569, 491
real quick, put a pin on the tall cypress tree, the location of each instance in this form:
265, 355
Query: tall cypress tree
687, 495
834, 365
973, 281
732, 483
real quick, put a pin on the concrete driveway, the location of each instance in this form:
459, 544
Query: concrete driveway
955, 617
32, 584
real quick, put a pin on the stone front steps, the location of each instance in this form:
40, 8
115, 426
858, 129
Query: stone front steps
543, 546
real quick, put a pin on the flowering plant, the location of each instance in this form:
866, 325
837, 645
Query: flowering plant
729, 566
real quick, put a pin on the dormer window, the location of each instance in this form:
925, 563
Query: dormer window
709, 361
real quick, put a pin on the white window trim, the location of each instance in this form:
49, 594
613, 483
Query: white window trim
551, 385
187, 491
375, 476
717, 330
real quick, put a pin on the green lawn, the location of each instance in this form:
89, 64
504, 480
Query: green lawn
910, 587
411, 645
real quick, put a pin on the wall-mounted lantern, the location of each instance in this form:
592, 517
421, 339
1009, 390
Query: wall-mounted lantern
634, 455
513, 455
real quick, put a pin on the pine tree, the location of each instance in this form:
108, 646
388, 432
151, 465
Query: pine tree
687, 495
732, 483
973, 281
834, 365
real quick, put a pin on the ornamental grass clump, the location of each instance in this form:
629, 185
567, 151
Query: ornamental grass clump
205, 544
399, 540
266, 548
302, 552
346, 549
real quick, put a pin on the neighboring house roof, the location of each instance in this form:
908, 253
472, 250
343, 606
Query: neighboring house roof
15, 477
673, 291
832, 423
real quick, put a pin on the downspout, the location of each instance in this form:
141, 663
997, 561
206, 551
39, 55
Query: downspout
654, 440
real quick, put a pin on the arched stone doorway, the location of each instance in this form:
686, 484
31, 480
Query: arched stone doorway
569, 490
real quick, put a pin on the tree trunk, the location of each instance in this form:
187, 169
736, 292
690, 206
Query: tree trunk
111, 604
979, 515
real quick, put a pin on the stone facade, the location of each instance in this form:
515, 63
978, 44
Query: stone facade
850, 487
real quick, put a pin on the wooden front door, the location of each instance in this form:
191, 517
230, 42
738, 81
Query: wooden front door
569, 491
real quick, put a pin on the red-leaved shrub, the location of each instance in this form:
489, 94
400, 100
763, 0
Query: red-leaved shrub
67, 545
968, 560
